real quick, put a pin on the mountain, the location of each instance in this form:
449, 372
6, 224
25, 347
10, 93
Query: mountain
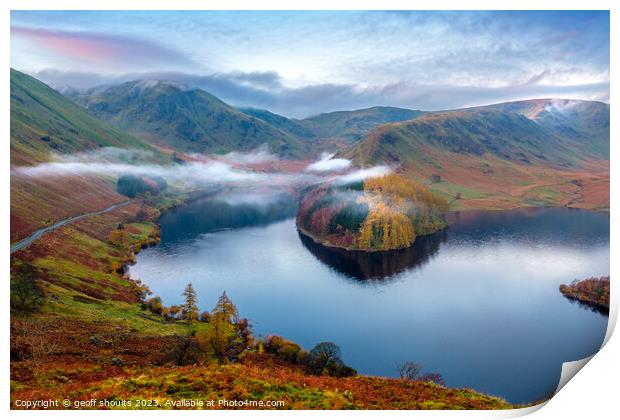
193, 120
539, 152
289, 126
44, 121
189, 120
586, 122
351, 126
558, 132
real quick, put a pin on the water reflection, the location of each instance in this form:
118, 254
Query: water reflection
222, 211
530, 225
362, 265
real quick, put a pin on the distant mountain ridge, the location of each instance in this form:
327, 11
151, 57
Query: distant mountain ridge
290, 126
189, 120
192, 120
352, 126
556, 132
534, 131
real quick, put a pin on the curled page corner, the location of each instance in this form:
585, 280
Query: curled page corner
570, 369
521, 412
613, 317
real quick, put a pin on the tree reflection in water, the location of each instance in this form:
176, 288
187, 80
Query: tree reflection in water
382, 265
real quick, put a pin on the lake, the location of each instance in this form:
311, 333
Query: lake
478, 303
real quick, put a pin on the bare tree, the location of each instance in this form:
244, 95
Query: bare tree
410, 371
32, 340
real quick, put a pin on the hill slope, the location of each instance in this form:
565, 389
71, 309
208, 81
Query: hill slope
190, 120
44, 121
482, 131
501, 156
585, 122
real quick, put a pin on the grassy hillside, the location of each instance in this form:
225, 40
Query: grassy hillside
476, 132
493, 158
190, 120
585, 123
44, 121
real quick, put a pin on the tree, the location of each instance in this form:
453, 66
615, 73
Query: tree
190, 307
155, 305
120, 237
26, 294
226, 336
413, 372
325, 357
225, 307
132, 185
244, 332
285, 349
410, 371
435, 178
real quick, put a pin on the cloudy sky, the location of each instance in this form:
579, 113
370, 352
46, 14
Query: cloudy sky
303, 63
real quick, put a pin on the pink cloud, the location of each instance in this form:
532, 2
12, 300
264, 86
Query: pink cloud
98, 48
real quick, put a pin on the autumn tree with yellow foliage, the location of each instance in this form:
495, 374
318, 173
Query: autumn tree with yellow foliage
382, 213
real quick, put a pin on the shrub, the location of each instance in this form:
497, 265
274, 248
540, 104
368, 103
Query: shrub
154, 305
205, 316
172, 312
184, 351
284, 349
30, 339
432, 377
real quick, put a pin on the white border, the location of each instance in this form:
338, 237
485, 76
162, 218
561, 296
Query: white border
593, 394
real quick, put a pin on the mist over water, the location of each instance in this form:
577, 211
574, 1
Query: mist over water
202, 171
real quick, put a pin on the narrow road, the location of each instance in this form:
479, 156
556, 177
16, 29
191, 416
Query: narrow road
38, 233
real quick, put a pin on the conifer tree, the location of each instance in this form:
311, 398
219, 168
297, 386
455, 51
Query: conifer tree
190, 307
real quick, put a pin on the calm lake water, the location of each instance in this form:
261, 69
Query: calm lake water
478, 303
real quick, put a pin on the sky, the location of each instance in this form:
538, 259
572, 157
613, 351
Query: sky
300, 64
